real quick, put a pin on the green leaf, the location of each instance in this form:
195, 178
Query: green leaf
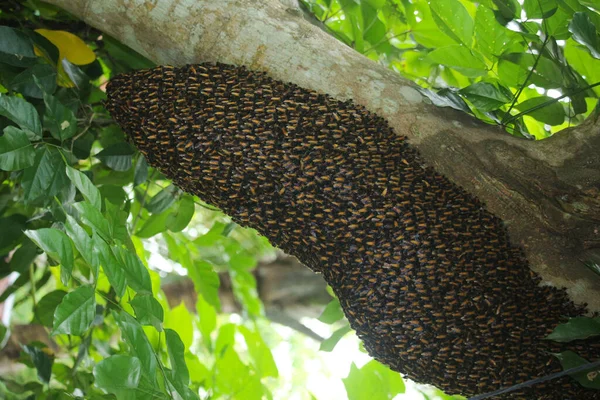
119, 374
182, 215
114, 194
83, 243
588, 379
117, 219
92, 217
58, 246
117, 156
179, 318
16, 152
233, 378
46, 177
111, 267
198, 372
89, 191
558, 25
27, 85
244, 288
133, 334
155, 224
141, 171
491, 38
575, 329
536, 9
45, 308
467, 62
376, 3
78, 77
225, 337
161, 201
24, 256
15, 47
353, 14
82, 145
514, 68
59, 119
240, 261
42, 361
584, 32
445, 98
591, 3
453, 19
485, 96
135, 272
508, 9
12, 231
207, 319
332, 312
210, 238
582, 62
21, 113
551, 114
148, 310
329, 343
260, 354
374, 381
3, 333
176, 351
76, 312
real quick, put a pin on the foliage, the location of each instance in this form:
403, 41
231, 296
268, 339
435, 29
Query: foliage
577, 329
530, 66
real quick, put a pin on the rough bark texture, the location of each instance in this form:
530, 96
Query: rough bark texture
548, 193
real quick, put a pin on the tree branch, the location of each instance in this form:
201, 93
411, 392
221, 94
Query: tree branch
546, 192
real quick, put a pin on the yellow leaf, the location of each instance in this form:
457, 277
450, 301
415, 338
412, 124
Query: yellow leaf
69, 46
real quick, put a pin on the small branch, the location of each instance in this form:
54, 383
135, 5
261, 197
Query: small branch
284, 319
32, 283
539, 56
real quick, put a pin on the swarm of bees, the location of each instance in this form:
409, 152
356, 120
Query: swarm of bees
425, 274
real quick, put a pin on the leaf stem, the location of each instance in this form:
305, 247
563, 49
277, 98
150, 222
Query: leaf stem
537, 59
386, 39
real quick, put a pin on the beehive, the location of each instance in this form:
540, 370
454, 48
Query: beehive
425, 274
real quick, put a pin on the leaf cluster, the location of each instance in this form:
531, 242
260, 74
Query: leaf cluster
531, 66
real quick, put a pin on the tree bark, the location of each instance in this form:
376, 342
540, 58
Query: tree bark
547, 192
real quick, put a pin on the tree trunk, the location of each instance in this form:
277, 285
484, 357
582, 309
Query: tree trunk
547, 192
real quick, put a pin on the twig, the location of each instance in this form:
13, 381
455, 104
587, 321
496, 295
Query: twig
386, 39
539, 56
32, 283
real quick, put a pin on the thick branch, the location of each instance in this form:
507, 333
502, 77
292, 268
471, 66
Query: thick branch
546, 192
